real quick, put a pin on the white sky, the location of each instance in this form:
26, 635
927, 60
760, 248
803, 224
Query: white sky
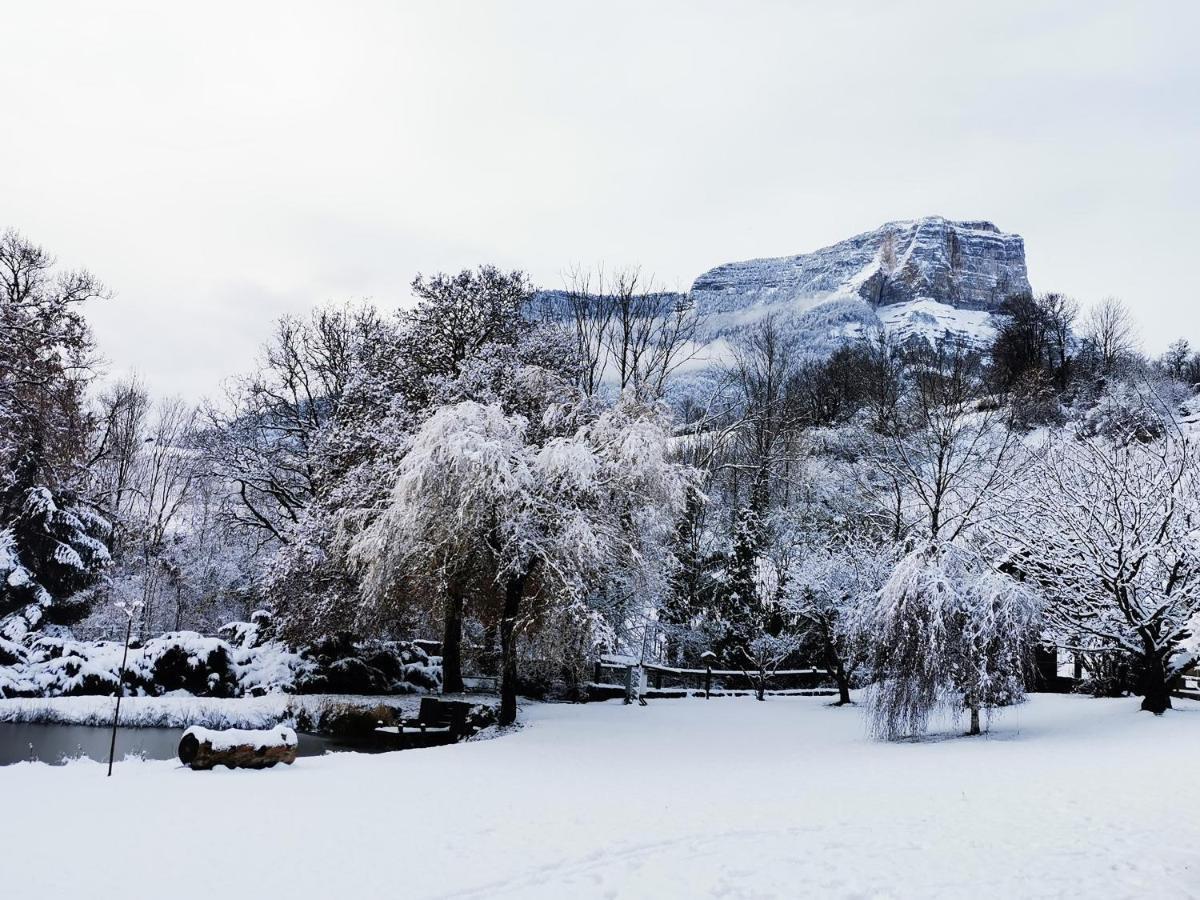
219, 164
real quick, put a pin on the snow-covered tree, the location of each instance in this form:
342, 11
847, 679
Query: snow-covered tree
50, 550
947, 631
267, 438
53, 539
625, 331
826, 589
949, 454
1108, 531
538, 520
762, 656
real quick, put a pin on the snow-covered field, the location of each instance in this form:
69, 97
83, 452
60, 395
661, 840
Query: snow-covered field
1067, 797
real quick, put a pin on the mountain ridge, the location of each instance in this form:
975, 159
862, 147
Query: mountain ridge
969, 264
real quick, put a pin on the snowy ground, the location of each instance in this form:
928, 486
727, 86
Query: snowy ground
1068, 797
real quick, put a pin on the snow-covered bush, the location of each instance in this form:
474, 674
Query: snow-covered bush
215, 667
1133, 411
344, 666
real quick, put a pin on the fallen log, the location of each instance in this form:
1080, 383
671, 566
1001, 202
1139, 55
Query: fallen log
204, 748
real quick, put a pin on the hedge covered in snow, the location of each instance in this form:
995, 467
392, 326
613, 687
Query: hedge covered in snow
242, 661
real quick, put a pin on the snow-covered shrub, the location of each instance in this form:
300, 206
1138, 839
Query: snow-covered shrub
349, 720
1110, 674
1130, 411
252, 634
185, 661
344, 666
215, 667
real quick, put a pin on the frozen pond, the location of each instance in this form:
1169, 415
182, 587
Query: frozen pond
51, 743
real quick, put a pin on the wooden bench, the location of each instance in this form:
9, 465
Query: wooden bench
438, 722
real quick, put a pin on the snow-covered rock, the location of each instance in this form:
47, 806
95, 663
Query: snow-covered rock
967, 265
925, 278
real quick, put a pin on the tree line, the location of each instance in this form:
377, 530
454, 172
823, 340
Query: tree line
535, 477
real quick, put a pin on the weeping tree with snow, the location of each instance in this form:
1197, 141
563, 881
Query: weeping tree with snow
541, 518
947, 631
825, 590
444, 527
1109, 531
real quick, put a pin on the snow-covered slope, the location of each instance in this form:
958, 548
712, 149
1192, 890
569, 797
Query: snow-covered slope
928, 319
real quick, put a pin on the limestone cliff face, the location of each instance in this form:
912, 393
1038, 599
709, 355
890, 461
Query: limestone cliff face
966, 265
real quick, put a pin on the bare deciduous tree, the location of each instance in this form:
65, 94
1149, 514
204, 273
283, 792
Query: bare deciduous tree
624, 323
1110, 332
950, 453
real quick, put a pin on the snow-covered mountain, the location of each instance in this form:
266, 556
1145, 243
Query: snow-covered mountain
921, 277
925, 278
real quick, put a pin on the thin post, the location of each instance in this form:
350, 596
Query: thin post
112, 744
707, 680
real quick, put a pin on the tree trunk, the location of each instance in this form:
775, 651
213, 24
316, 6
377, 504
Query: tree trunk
974, 720
514, 590
237, 749
843, 684
833, 663
452, 682
1156, 687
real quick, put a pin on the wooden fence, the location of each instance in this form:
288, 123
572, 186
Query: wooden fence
1189, 684
665, 682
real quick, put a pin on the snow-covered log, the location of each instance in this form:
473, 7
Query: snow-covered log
204, 748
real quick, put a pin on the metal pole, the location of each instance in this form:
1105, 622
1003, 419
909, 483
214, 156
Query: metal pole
112, 744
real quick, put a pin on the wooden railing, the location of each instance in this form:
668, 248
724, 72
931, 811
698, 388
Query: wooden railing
1189, 684
677, 681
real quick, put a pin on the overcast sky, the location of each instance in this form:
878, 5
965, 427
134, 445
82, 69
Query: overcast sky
221, 164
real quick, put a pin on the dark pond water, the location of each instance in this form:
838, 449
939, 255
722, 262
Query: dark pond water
57, 743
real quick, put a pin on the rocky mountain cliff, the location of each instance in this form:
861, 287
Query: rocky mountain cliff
966, 265
929, 278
